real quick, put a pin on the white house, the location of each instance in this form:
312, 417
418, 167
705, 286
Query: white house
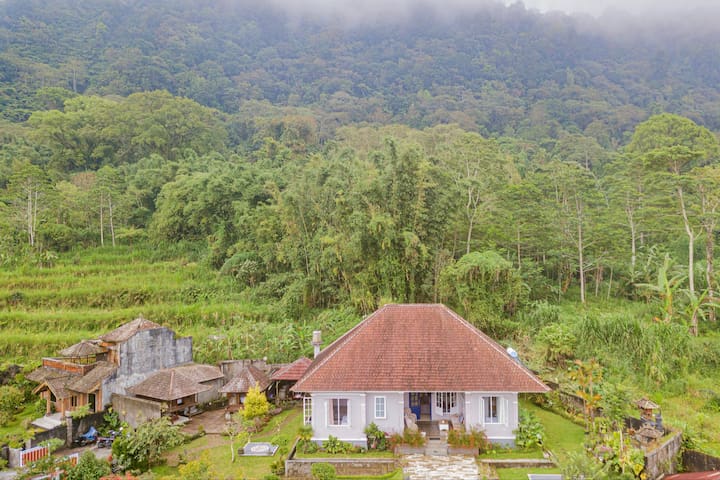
418, 358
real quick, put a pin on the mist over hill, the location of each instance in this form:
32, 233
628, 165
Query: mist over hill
488, 67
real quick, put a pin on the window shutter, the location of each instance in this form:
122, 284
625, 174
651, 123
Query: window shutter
503, 413
482, 410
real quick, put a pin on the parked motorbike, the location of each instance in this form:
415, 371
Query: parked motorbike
107, 441
86, 438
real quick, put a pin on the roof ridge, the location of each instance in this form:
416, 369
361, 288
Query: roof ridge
495, 345
342, 340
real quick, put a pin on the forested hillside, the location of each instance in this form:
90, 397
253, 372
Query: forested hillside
557, 185
496, 70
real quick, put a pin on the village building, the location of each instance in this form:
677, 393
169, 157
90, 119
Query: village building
417, 366
239, 385
92, 372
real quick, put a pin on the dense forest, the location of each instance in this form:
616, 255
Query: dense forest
500, 162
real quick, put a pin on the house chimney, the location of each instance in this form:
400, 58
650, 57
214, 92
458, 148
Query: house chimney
316, 342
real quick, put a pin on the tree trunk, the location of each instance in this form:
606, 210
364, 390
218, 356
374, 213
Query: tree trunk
581, 260
691, 242
709, 252
31, 232
110, 219
102, 224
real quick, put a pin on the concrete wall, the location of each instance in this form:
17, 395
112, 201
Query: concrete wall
212, 394
664, 459
699, 462
357, 418
394, 420
134, 410
498, 433
142, 355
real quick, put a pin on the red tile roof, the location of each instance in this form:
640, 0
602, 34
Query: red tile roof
417, 347
708, 475
292, 372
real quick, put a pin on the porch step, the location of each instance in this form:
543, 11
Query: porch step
436, 448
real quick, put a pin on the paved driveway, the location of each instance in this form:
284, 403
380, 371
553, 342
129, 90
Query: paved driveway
213, 421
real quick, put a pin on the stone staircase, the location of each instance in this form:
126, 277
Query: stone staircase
436, 448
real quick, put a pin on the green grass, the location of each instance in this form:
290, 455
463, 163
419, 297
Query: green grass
280, 430
16, 428
512, 454
561, 435
522, 473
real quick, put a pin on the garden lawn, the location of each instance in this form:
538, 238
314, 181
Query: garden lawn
561, 435
280, 430
522, 473
16, 427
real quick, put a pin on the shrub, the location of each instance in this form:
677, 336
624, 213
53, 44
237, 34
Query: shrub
530, 432
277, 467
305, 443
412, 438
559, 342
472, 438
256, 404
323, 471
375, 437
334, 445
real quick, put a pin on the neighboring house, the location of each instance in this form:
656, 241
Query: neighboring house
236, 389
414, 361
92, 371
176, 392
287, 375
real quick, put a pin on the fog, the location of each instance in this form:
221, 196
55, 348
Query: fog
634, 7
394, 10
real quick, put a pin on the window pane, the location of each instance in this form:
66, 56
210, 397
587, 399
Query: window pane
379, 407
339, 412
491, 409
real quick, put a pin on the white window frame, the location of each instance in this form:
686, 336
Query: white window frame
446, 402
331, 413
382, 403
487, 402
307, 410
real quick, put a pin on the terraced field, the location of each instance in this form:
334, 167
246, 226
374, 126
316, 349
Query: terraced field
85, 294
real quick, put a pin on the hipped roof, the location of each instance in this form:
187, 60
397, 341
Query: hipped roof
418, 347
167, 385
292, 372
85, 348
248, 377
200, 372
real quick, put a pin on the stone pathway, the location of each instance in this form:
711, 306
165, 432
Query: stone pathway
453, 467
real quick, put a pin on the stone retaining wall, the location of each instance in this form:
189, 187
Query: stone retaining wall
297, 469
664, 459
694, 461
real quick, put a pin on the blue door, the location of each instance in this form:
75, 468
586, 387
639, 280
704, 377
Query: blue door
415, 404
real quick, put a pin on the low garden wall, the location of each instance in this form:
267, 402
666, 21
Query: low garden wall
664, 459
695, 461
300, 468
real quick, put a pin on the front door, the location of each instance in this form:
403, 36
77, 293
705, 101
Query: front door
415, 403
425, 406
420, 405
91, 402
